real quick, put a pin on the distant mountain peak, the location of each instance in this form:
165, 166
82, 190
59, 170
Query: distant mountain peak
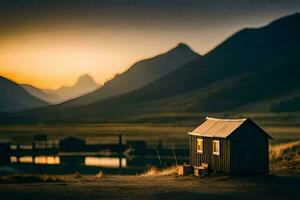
85, 84
182, 45
140, 74
183, 48
86, 79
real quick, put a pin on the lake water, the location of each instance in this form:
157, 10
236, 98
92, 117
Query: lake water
93, 162
86, 164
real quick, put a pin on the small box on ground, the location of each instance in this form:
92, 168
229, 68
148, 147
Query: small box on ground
200, 171
185, 170
205, 165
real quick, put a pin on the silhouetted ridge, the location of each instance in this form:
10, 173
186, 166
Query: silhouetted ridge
140, 74
15, 98
84, 85
253, 66
287, 21
182, 46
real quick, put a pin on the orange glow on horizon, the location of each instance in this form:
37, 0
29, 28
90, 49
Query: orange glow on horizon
49, 60
51, 54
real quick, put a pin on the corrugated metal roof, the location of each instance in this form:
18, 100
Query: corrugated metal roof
213, 127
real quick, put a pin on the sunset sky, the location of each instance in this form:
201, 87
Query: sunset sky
51, 43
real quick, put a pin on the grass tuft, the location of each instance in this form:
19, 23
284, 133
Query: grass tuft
277, 151
153, 171
100, 174
285, 157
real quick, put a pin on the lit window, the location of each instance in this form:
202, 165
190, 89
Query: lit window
216, 147
199, 145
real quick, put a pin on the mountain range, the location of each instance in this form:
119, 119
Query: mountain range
14, 98
39, 93
139, 75
84, 85
256, 69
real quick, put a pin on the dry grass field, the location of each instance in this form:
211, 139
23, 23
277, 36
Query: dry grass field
155, 184
282, 183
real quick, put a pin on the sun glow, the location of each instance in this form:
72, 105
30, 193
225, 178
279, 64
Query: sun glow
58, 58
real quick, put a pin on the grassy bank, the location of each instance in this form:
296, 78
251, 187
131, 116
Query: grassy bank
132, 131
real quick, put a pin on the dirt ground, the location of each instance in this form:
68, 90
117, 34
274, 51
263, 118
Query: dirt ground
158, 187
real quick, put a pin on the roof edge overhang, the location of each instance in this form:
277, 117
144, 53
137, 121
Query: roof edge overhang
242, 120
228, 136
197, 134
229, 120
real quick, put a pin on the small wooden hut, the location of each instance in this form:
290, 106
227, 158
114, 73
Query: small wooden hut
72, 144
234, 146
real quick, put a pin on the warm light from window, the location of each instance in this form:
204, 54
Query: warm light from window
199, 145
216, 147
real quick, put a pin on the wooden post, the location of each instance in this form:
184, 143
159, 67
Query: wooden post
174, 154
159, 158
33, 145
34, 151
120, 156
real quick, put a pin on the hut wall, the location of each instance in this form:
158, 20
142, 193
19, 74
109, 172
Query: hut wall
219, 163
249, 151
72, 144
206, 156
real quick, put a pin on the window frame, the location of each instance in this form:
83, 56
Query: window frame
199, 150
217, 153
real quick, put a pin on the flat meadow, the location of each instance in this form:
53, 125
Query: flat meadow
157, 184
